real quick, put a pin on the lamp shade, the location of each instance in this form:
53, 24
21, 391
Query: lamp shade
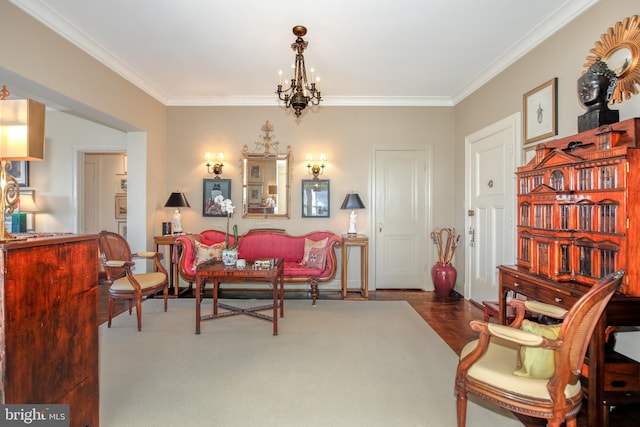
21, 129
177, 200
27, 203
352, 201
273, 189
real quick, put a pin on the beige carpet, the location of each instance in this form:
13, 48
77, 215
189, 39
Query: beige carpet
340, 363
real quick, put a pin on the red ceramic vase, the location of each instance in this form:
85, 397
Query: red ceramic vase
444, 278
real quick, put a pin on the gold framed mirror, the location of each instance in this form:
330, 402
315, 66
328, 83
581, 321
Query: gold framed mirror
619, 48
266, 179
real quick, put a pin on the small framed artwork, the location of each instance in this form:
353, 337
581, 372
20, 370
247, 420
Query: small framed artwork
315, 198
211, 188
19, 169
121, 206
254, 194
255, 171
122, 228
121, 183
540, 111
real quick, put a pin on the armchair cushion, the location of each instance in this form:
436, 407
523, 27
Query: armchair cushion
146, 281
204, 252
496, 367
310, 244
536, 362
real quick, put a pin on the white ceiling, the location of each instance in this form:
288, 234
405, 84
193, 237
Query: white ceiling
366, 52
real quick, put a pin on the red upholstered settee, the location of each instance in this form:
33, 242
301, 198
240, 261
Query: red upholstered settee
268, 243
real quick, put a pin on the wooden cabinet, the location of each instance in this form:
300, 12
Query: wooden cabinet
49, 324
579, 220
579, 207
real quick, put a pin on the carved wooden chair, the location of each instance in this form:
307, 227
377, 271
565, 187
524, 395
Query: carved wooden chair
123, 283
500, 368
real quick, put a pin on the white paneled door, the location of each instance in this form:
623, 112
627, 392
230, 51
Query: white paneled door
400, 219
491, 163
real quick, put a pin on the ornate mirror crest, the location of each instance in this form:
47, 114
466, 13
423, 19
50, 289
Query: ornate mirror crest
620, 49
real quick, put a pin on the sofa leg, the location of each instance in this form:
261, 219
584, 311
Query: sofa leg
314, 290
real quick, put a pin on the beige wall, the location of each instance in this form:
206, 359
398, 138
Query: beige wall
348, 135
561, 56
44, 66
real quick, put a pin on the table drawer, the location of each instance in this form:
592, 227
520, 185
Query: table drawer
539, 290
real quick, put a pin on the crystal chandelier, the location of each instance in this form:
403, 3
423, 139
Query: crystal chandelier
299, 93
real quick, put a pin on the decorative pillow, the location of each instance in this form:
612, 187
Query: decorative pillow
310, 244
317, 258
205, 253
537, 362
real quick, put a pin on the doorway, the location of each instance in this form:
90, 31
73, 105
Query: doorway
104, 193
491, 158
401, 218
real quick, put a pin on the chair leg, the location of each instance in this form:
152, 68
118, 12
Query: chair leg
139, 312
130, 306
461, 408
166, 297
110, 311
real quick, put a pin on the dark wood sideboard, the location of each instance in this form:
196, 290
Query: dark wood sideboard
622, 310
49, 324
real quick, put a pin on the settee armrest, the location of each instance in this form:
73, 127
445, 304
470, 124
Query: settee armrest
185, 245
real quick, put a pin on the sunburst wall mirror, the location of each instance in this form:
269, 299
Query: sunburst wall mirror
619, 48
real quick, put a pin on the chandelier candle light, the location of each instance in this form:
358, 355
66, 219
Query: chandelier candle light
299, 93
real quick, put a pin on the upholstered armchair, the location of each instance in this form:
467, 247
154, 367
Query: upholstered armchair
529, 368
118, 262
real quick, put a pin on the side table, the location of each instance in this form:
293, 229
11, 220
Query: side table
174, 277
361, 241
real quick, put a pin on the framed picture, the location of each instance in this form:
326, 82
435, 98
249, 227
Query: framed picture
315, 198
121, 183
540, 111
122, 228
121, 206
20, 171
254, 194
210, 189
255, 171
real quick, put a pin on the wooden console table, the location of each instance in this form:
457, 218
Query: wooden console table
363, 242
621, 311
174, 276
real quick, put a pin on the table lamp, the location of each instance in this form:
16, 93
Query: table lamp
177, 200
21, 138
352, 201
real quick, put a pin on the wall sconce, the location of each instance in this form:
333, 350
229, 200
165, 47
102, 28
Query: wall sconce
21, 138
315, 169
216, 168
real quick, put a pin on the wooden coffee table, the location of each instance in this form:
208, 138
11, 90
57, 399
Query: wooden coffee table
217, 273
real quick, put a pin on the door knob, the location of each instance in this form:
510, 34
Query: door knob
380, 227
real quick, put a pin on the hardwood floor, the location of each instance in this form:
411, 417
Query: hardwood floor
449, 317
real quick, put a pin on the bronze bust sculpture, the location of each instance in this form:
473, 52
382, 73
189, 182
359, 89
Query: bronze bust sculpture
595, 89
